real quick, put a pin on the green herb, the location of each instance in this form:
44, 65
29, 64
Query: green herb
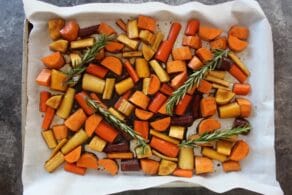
217, 135
115, 121
75, 73
194, 79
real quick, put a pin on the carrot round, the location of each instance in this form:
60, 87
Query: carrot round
109, 165
88, 160
91, 123
76, 120
209, 33
183, 104
113, 64
149, 167
132, 72
142, 127
239, 151
44, 96
106, 131
113, 46
154, 84
48, 118
157, 102
161, 124
143, 114
96, 70
241, 32
183, 173
192, 27
70, 167
70, 30
245, 107
74, 155
54, 60
241, 88
168, 149
208, 125
236, 44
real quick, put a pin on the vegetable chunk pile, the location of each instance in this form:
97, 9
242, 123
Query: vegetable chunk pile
125, 97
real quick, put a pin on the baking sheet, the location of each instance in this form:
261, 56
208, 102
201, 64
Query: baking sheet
258, 170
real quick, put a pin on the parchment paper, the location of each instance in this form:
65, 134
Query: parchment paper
258, 170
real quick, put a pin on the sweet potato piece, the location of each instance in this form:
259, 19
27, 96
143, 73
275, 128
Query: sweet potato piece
209, 33
192, 41
74, 155
88, 160
149, 167
140, 99
44, 77
208, 125
176, 66
195, 63
204, 87
236, 44
203, 165
219, 43
55, 25
208, 106
76, 120
70, 31
231, 166
239, 151
109, 165
154, 84
142, 127
113, 63
147, 23
161, 124
178, 80
91, 123
143, 114
245, 107
183, 104
204, 54
114, 47
182, 53
54, 60
241, 32
104, 28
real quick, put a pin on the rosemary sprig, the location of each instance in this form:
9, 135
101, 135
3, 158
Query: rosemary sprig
217, 135
194, 79
115, 121
75, 73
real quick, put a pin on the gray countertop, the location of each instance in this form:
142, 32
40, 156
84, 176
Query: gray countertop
11, 25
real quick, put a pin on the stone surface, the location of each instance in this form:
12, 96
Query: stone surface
11, 23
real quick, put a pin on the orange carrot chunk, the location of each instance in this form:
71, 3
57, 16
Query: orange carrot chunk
237, 73
195, 63
192, 27
219, 43
149, 167
209, 33
91, 123
114, 46
183, 173
163, 51
109, 165
76, 120
241, 32
154, 84
74, 155
245, 107
44, 77
164, 147
120, 23
113, 64
74, 168
147, 23
106, 131
176, 66
236, 44
192, 41
143, 114
239, 151
231, 166
208, 125
60, 132
132, 72
174, 31
161, 124
204, 54
104, 28
182, 53
140, 99
88, 160
54, 60
203, 165
183, 104
208, 106
241, 88
178, 80
70, 30
166, 89
44, 96
48, 118
204, 87
96, 70
142, 127
157, 102
81, 100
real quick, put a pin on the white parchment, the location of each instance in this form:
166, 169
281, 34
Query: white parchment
258, 169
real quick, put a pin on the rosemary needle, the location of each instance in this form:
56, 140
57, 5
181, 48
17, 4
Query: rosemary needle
194, 79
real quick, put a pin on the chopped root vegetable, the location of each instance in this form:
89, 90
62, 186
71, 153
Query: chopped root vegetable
70, 31
113, 64
143, 114
96, 70
76, 120
208, 125
219, 43
48, 118
147, 23
104, 28
114, 47
204, 54
192, 27
239, 151
88, 160
183, 105
203, 165
54, 60
74, 155
109, 165
91, 123
166, 89
237, 73
241, 88
142, 127
176, 66
241, 32
149, 167
106, 131
195, 63
60, 132
192, 41
44, 77
154, 84
208, 106
44, 96
169, 149
81, 100
157, 102
74, 169
236, 44
245, 107
140, 99
204, 87
183, 173
161, 124
182, 53
230, 165
178, 80
209, 33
